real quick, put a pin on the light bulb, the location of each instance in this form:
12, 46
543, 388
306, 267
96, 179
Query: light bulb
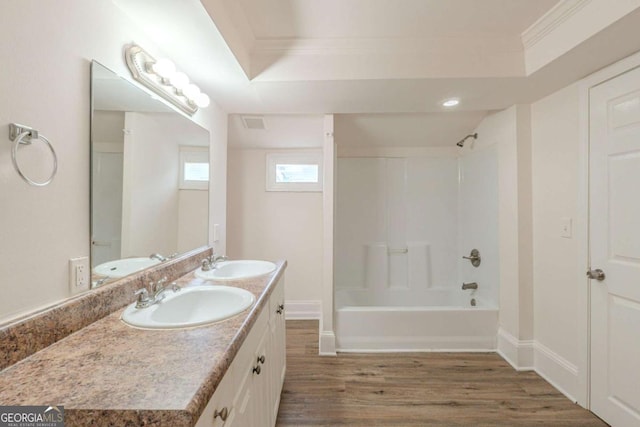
191, 91
179, 80
202, 100
163, 67
451, 102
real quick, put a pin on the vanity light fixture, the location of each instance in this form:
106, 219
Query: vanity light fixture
452, 102
161, 76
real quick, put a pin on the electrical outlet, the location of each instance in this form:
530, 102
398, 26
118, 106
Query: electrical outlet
79, 275
216, 232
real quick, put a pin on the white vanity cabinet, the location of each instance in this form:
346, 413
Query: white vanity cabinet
277, 342
249, 393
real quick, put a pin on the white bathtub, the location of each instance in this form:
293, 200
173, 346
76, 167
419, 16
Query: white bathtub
440, 320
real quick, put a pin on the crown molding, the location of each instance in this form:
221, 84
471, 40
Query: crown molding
551, 20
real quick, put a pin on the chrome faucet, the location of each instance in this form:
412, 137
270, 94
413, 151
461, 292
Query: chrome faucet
470, 285
154, 294
158, 257
211, 262
157, 289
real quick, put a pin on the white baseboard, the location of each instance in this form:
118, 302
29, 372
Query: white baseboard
519, 353
376, 344
327, 343
527, 355
303, 310
557, 371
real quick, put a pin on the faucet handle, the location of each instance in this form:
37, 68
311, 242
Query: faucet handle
155, 287
143, 299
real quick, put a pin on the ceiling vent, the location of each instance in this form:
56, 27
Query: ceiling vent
254, 122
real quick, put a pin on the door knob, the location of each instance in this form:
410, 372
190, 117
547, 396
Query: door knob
596, 274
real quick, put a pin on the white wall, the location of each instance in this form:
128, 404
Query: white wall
508, 131
275, 225
557, 319
48, 88
107, 127
150, 185
192, 225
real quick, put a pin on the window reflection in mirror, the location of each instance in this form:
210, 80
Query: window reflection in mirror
149, 179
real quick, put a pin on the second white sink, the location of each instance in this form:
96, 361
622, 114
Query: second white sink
123, 267
188, 307
236, 270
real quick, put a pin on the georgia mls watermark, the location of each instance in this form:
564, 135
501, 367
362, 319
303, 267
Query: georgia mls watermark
31, 416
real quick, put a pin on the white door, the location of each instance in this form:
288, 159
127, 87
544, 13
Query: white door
615, 249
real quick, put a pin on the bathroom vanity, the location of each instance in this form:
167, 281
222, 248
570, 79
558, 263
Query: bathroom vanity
249, 393
228, 373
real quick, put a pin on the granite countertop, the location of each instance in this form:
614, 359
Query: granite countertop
109, 373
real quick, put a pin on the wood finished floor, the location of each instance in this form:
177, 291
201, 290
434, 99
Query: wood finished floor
414, 389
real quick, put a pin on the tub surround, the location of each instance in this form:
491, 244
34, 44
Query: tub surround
108, 373
28, 335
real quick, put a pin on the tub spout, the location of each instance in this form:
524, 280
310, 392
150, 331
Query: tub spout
470, 285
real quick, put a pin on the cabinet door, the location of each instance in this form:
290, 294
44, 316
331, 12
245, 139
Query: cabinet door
221, 404
277, 344
261, 383
244, 402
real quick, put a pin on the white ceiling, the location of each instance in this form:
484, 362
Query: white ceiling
377, 57
282, 131
324, 19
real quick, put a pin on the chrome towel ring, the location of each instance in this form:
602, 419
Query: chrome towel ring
23, 135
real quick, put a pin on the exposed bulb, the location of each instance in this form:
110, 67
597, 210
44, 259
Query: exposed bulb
450, 102
163, 67
179, 80
191, 91
202, 100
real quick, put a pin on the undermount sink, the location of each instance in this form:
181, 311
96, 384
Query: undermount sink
189, 307
235, 270
124, 267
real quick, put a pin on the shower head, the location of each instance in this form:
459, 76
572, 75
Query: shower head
461, 142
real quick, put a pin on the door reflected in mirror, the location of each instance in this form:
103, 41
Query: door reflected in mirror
149, 179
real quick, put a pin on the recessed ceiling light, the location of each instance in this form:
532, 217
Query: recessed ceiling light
450, 102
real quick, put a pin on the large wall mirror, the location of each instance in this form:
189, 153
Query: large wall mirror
149, 179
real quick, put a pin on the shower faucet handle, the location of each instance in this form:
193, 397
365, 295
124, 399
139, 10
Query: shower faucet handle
474, 257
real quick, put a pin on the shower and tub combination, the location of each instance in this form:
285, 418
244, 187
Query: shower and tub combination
416, 251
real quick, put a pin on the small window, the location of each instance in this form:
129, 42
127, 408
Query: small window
194, 168
294, 171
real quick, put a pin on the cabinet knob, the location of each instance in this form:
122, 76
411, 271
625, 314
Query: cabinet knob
261, 359
223, 414
256, 370
280, 308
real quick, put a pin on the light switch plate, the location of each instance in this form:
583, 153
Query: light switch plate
79, 275
566, 228
216, 232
